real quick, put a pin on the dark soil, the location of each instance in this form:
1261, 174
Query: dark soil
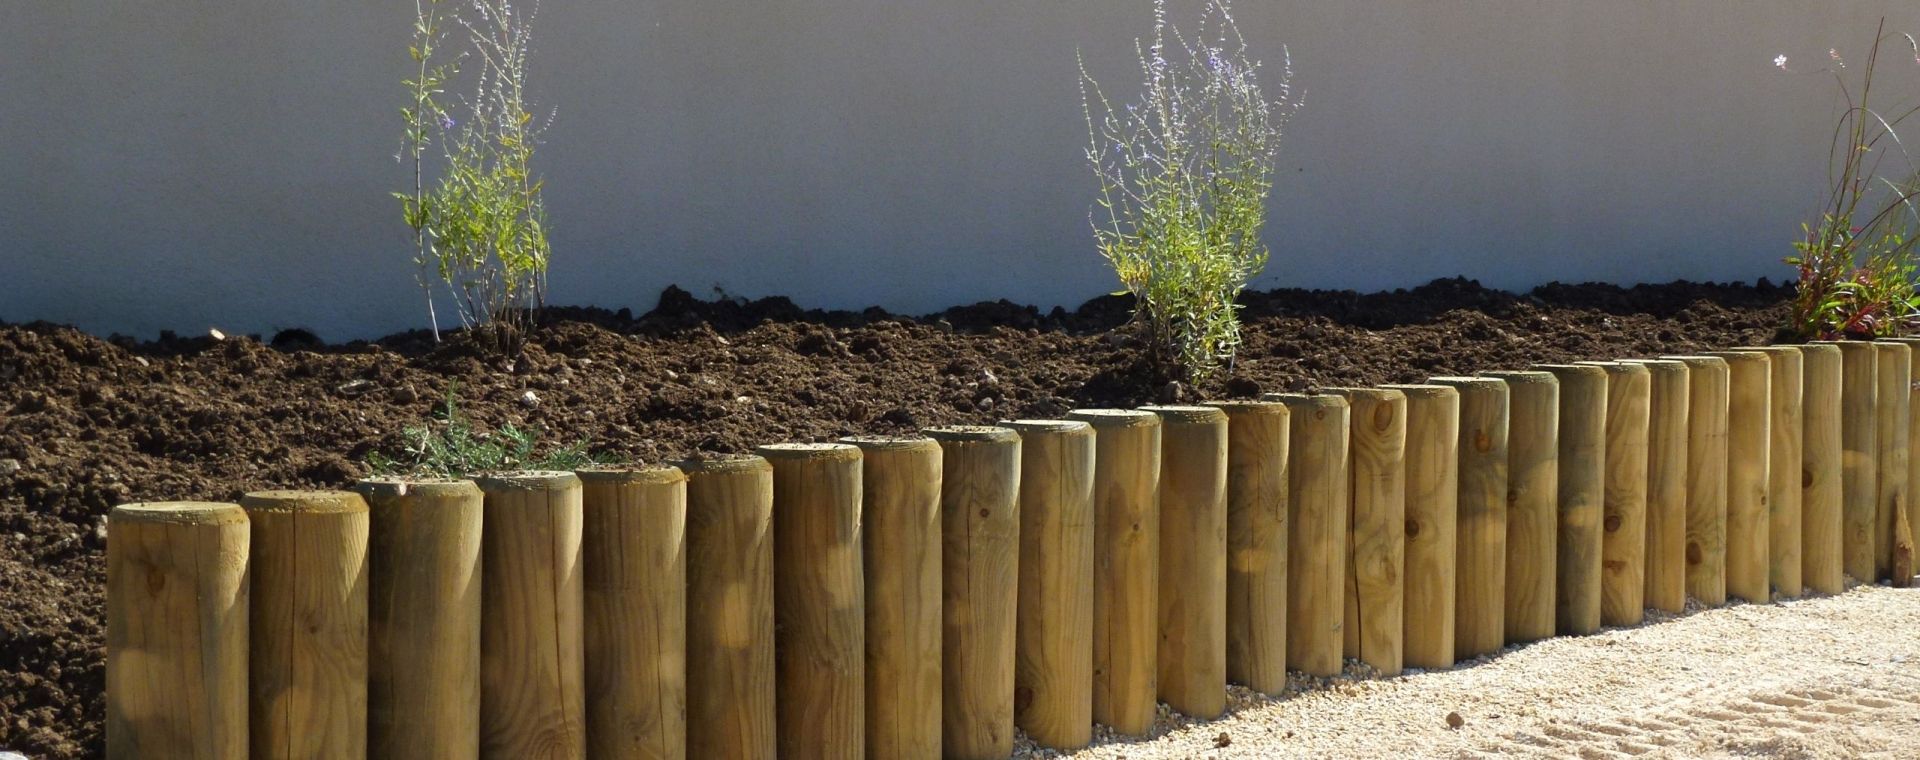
87, 423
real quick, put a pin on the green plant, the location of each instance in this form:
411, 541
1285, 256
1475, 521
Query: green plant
1184, 173
452, 446
425, 118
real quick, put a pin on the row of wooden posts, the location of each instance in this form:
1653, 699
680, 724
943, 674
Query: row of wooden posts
921, 597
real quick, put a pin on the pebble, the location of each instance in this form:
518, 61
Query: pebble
9, 466
12, 756
530, 398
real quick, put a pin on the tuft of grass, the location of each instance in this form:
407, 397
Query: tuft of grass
453, 446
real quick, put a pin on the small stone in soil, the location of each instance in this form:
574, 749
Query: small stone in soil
1223, 740
1454, 720
9, 466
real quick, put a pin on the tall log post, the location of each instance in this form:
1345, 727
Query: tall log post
819, 600
1377, 516
980, 528
1317, 485
1432, 509
1533, 502
900, 546
1623, 542
1821, 456
1892, 419
1666, 549
1053, 669
1749, 441
1706, 478
634, 560
532, 644
1126, 566
1257, 544
1913, 434
1481, 598
1859, 459
730, 657
1193, 559
1787, 399
1582, 497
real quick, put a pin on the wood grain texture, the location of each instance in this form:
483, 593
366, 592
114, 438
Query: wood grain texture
1193, 559
1582, 497
177, 631
1913, 434
1533, 502
1859, 457
1666, 548
532, 644
1318, 430
423, 617
819, 600
307, 674
1257, 544
900, 543
1706, 478
730, 657
634, 559
1623, 526
1786, 398
1126, 562
1892, 418
1480, 599
1822, 568
1432, 510
1053, 651
1377, 522
980, 526
1749, 445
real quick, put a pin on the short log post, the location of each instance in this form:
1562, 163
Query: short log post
1821, 457
307, 673
1053, 650
1582, 497
1749, 443
423, 617
1193, 559
819, 600
1317, 485
980, 527
1787, 398
177, 631
1432, 509
1666, 528
532, 660
730, 657
634, 561
1480, 600
1377, 520
1623, 526
1892, 418
900, 493
1706, 478
1859, 458
1533, 502
1257, 544
1126, 562
1913, 434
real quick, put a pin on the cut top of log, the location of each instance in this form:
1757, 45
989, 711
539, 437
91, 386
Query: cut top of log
1114, 418
653, 475
809, 452
180, 512
311, 502
527, 480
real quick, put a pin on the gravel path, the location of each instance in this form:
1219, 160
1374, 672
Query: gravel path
1835, 677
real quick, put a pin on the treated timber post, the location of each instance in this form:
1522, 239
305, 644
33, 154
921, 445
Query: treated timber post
1126, 561
1623, 537
1787, 398
1257, 544
634, 561
1706, 478
980, 528
1316, 530
1193, 559
177, 631
1053, 651
1821, 456
1749, 441
1891, 421
819, 600
1666, 548
1533, 502
532, 664
307, 674
1582, 497
1433, 496
1377, 516
1480, 599
1859, 444
1913, 434
423, 618
900, 494
730, 658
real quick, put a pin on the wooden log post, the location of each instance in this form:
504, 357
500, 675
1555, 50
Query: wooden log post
1749, 442
980, 528
307, 673
1126, 562
1623, 526
1053, 650
177, 631
1821, 456
1377, 520
1582, 497
532, 643
1257, 544
1666, 524
1480, 600
1913, 434
730, 655
1193, 559
1533, 502
1317, 485
1859, 460
634, 564
900, 493
1706, 478
1892, 418
1787, 398
819, 600
423, 618
1432, 510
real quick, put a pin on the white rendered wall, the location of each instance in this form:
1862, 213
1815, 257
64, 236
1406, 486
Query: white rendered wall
181, 164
